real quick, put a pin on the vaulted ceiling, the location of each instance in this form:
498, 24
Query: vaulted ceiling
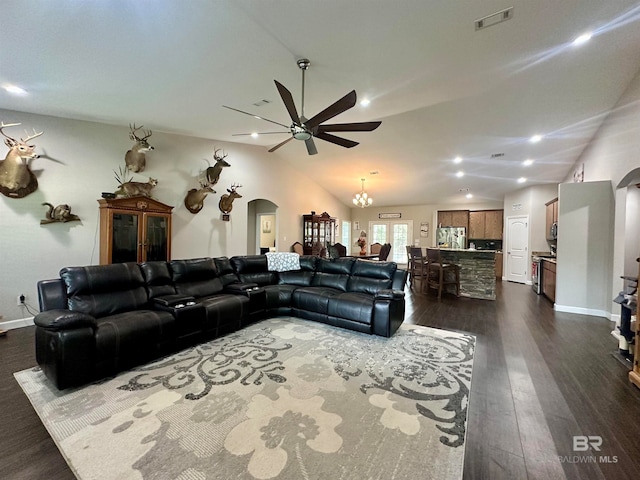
441, 88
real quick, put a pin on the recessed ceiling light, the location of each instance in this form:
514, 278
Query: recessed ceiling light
582, 39
522, 180
527, 162
254, 135
365, 102
535, 138
457, 160
460, 174
14, 89
468, 195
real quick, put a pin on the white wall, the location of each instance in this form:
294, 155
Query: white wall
613, 153
585, 237
83, 157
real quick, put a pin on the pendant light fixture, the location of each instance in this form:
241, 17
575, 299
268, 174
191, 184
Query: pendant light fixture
362, 199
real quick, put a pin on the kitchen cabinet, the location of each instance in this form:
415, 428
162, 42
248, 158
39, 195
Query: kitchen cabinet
318, 231
551, 217
549, 279
453, 218
136, 229
499, 260
486, 225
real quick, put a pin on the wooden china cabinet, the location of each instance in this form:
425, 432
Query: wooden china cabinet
318, 229
136, 229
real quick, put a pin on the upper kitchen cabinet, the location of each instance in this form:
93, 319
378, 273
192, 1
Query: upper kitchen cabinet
486, 225
552, 219
453, 218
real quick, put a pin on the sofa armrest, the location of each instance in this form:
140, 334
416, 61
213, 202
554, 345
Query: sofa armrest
173, 300
389, 295
241, 288
59, 319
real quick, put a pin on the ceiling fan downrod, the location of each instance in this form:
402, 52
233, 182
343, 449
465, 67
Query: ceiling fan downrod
304, 64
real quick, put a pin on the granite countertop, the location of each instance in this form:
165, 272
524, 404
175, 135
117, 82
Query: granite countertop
550, 259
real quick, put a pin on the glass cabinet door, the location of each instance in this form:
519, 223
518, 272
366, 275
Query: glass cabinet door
155, 238
124, 238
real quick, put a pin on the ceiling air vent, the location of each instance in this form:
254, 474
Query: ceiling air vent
494, 18
262, 102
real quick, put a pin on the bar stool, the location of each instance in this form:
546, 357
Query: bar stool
437, 272
418, 267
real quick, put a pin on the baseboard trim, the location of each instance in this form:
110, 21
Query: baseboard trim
13, 324
582, 311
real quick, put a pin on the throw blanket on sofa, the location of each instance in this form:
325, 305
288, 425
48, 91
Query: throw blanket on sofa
282, 261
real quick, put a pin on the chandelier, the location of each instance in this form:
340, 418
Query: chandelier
361, 199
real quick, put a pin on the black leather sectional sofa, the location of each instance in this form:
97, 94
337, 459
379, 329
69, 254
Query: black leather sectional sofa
98, 320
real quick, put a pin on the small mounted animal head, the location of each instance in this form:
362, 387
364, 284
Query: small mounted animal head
232, 191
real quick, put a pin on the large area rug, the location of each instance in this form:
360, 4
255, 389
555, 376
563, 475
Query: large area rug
284, 398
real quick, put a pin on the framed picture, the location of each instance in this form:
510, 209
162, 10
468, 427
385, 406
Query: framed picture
424, 229
389, 215
266, 226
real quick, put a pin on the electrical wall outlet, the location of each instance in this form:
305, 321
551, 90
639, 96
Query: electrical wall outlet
21, 299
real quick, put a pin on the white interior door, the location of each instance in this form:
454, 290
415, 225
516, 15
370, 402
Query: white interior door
396, 232
518, 249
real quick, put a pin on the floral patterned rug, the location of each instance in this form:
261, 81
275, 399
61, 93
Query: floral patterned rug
284, 398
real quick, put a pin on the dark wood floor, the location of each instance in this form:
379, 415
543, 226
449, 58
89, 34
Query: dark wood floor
540, 377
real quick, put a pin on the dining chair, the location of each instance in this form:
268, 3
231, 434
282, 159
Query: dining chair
342, 250
418, 270
384, 252
375, 248
440, 273
297, 247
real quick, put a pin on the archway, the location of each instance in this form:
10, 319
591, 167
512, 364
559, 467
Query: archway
262, 226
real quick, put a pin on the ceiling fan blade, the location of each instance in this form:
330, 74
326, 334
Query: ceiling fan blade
311, 146
280, 144
349, 127
342, 105
343, 142
287, 98
256, 116
258, 133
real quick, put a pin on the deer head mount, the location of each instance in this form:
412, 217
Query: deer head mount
226, 201
194, 201
212, 174
16, 178
135, 158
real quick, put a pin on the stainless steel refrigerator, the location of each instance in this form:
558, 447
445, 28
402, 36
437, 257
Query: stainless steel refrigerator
452, 237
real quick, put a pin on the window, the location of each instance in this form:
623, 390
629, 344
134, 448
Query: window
345, 238
397, 233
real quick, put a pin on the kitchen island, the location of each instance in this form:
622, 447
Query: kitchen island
477, 271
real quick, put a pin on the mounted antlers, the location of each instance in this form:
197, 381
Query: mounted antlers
226, 201
16, 178
135, 158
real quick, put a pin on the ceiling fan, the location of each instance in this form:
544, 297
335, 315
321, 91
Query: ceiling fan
305, 129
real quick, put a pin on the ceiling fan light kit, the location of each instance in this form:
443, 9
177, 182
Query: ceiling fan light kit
306, 129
